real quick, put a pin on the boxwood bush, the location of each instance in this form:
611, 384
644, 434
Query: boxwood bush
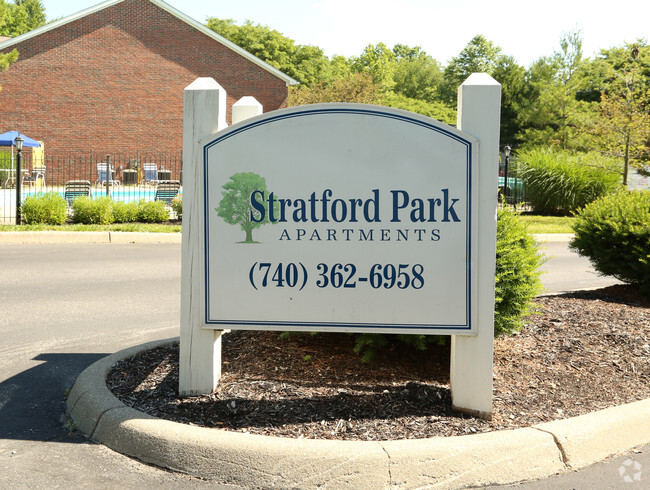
125, 212
105, 211
90, 211
152, 212
48, 208
614, 233
560, 182
517, 279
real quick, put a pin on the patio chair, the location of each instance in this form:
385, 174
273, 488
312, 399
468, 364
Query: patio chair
167, 190
101, 175
38, 172
150, 173
76, 188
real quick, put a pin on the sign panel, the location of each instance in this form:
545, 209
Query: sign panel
340, 217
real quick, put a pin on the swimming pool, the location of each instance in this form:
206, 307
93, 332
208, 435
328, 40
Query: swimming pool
119, 194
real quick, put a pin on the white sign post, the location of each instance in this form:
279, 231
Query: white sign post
204, 110
336, 218
479, 103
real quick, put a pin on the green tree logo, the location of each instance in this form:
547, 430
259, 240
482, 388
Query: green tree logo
235, 206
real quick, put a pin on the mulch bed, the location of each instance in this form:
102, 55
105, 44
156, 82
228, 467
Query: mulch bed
582, 352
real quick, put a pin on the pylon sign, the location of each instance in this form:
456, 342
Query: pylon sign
340, 217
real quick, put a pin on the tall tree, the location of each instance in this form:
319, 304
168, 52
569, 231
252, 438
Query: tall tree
623, 128
479, 56
514, 92
552, 113
306, 64
379, 62
20, 17
417, 75
7, 58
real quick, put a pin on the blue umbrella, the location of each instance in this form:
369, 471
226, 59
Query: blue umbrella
8, 139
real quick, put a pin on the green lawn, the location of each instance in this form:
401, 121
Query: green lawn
548, 224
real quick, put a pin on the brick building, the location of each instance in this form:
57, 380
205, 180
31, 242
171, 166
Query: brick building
111, 78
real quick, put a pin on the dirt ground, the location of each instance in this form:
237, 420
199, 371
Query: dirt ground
581, 352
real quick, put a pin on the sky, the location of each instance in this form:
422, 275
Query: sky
523, 29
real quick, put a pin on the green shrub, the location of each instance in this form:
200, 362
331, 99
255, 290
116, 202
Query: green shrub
517, 279
177, 206
368, 345
49, 208
125, 212
614, 233
560, 182
152, 212
92, 211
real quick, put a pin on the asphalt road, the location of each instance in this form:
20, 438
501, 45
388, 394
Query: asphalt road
64, 306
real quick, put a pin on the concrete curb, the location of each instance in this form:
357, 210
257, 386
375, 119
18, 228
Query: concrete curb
33, 237
260, 461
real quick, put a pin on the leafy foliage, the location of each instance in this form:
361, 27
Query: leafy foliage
152, 211
7, 59
20, 17
623, 126
356, 88
417, 75
368, 345
92, 211
559, 182
49, 208
379, 62
479, 56
177, 206
105, 211
552, 114
306, 64
435, 110
517, 273
614, 233
125, 212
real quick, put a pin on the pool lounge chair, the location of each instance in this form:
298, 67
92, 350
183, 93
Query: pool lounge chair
150, 173
76, 188
101, 175
167, 190
38, 172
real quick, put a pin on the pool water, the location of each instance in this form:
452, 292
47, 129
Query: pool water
124, 195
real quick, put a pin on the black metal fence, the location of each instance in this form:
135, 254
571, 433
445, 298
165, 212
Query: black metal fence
133, 176
512, 192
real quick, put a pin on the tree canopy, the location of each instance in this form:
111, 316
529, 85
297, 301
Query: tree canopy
562, 100
20, 17
306, 64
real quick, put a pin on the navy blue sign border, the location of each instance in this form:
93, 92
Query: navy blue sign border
377, 112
